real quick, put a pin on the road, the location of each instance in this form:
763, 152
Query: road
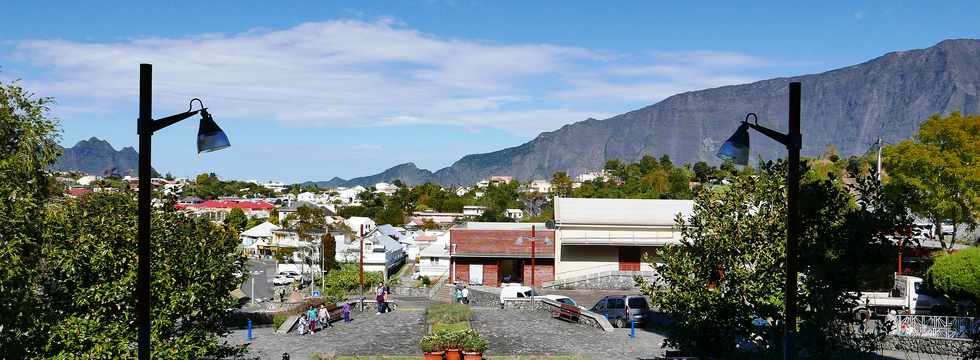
263, 271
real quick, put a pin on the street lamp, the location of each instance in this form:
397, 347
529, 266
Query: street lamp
736, 148
210, 138
533, 239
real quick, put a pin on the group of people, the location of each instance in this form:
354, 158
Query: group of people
461, 293
382, 296
318, 318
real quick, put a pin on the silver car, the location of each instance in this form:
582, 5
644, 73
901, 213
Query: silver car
614, 308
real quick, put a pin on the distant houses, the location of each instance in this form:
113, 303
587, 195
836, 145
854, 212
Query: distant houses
217, 210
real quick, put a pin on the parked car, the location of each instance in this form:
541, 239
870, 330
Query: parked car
282, 280
516, 292
614, 308
292, 274
561, 299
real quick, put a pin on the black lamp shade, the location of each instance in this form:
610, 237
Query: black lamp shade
736, 148
210, 137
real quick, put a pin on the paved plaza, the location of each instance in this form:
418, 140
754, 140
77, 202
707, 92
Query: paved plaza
510, 332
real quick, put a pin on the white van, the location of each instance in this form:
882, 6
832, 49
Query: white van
516, 291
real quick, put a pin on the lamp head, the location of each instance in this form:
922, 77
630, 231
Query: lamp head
210, 137
736, 148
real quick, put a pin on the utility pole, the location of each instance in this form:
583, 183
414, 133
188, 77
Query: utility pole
533, 240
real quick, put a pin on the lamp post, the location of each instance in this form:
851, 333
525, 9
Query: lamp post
210, 137
532, 239
736, 148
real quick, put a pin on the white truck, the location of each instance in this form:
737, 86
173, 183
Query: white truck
905, 294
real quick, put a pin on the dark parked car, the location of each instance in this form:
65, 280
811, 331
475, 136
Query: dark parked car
614, 308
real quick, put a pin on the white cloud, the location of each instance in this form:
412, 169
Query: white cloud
382, 73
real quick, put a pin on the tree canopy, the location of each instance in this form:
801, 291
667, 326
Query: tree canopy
68, 266
956, 274
938, 169
729, 270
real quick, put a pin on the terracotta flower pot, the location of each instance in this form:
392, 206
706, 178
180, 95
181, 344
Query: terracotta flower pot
472, 355
435, 355
453, 354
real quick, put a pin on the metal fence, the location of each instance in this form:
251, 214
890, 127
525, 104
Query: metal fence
943, 327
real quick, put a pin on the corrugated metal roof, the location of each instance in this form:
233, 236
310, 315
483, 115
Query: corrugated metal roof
632, 212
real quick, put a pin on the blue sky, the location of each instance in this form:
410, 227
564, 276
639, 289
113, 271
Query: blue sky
312, 90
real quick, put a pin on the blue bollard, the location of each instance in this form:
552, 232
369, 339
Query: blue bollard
249, 329
632, 327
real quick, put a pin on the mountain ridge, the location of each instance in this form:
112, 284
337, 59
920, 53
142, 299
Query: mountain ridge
848, 107
95, 156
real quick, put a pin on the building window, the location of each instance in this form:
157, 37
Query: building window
434, 260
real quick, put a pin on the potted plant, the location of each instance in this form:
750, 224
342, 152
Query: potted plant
451, 341
431, 347
474, 346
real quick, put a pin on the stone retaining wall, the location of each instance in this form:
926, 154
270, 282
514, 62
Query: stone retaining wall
412, 291
911, 344
609, 280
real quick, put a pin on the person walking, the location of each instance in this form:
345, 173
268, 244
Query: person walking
386, 296
323, 317
312, 315
302, 325
345, 309
457, 294
466, 295
379, 298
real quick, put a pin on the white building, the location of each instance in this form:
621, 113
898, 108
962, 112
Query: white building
540, 186
355, 223
433, 260
473, 210
381, 252
349, 195
608, 238
306, 196
258, 235
385, 188
592, 175
86, 180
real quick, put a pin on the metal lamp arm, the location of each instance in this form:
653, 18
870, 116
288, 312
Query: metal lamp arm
172, 119
772, 134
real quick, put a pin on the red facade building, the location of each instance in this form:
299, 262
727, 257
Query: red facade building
493, 253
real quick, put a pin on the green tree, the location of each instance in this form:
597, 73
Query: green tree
956, 274
236, 219
561, 184
939, 171
28, 147
92, 258
328, 247
702, 172
729, 270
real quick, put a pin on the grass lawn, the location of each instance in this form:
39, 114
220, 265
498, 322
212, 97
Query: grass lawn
447, 313
462, 325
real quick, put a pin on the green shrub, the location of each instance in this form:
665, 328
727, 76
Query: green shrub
347, 278
431, 343
426, 281
457, 326
473, 342
956, 275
